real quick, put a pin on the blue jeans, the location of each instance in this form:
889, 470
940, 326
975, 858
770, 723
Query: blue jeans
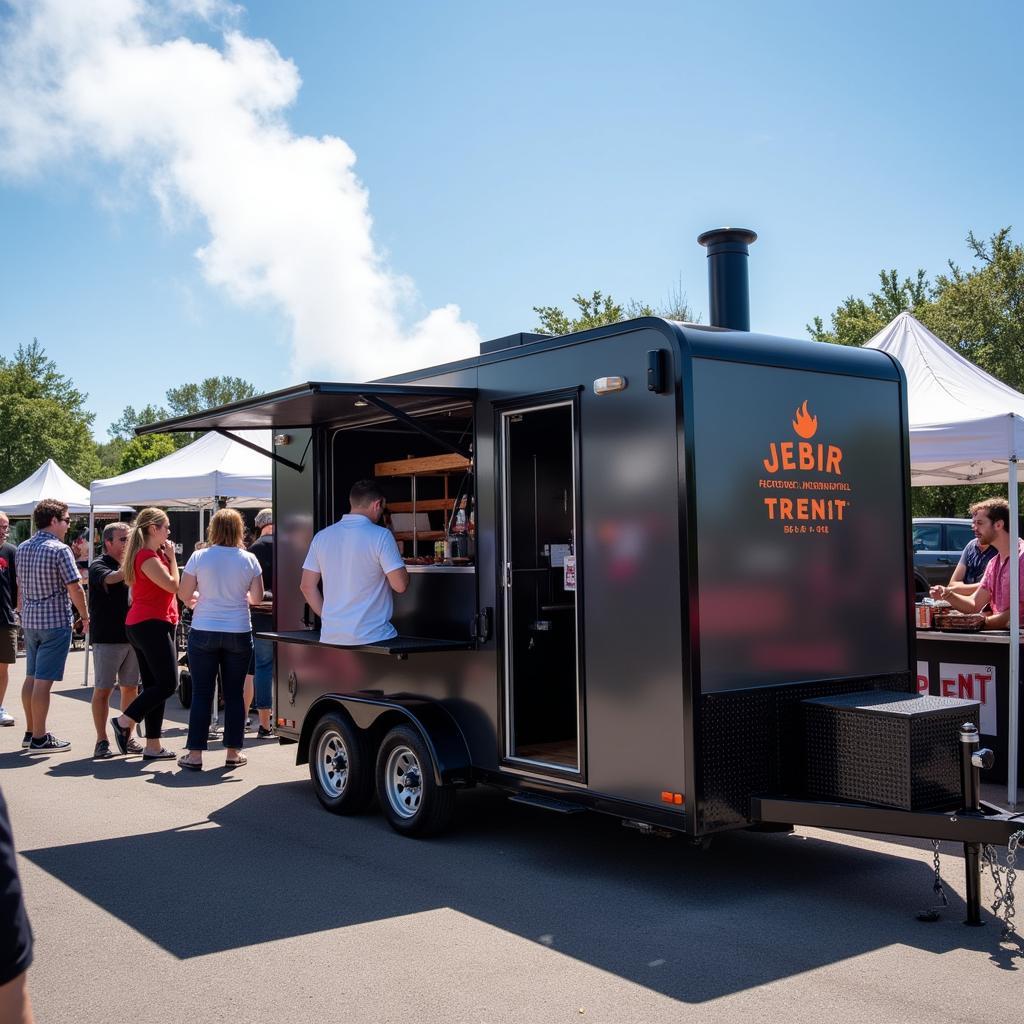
209, 654
46, 651
261, 668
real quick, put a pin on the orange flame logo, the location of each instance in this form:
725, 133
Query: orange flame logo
805, 424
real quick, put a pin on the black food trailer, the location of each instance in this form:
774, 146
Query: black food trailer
657, 570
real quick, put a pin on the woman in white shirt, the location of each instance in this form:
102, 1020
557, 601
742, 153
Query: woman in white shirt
220, 640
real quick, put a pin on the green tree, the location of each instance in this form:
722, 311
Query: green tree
858, 320
123, 429
109, 455
980, 312
185, 400
42, 416
599, 309
141, 451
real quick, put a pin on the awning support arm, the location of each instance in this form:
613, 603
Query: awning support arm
297, 466
416, 425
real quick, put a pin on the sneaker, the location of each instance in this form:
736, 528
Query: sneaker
121, 735
26, 740
6, 718
102, 751
134, 746
265, 734
49, 743
249, 727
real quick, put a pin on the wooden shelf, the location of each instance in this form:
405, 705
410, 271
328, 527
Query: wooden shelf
427, 505
435, 464
420, 535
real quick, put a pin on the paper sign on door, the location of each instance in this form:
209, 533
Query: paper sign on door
569, 567
922, 677
973, 682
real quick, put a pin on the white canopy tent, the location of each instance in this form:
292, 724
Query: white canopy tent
197, 475
50, 481
966, 427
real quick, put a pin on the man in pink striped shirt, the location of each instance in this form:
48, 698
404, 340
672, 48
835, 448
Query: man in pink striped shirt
991, 521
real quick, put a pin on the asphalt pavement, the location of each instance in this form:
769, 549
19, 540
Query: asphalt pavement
159, 895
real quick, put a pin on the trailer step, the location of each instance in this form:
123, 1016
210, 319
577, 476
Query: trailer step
546, 803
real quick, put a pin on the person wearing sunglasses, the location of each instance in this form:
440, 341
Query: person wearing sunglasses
49, 583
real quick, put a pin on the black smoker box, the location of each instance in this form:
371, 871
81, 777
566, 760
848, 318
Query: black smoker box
891, 749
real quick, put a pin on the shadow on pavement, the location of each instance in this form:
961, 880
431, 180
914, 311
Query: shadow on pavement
692, 924
20, 759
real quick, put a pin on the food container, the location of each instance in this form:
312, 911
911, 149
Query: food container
924, 615
952, 621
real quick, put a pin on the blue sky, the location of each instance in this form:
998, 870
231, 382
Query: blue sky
508, 156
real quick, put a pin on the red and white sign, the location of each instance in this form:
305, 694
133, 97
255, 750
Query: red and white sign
922, 677
569, 569
972, 682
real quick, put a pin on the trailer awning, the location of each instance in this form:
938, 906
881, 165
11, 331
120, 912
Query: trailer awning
319, 403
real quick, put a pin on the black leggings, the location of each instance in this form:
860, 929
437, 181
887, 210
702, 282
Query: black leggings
153, 640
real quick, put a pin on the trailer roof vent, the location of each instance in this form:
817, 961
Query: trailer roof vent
510, 341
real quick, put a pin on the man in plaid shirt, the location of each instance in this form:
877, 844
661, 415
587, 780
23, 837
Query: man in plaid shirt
48, 581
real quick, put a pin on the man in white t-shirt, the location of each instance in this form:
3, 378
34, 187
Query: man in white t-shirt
360, 565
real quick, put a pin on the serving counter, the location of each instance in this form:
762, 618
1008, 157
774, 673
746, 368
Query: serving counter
975, 666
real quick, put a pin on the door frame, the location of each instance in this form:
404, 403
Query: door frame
507, 761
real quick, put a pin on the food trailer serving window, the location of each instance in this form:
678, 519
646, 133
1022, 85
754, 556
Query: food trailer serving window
418, 441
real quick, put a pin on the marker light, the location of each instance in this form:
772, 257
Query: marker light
606, 385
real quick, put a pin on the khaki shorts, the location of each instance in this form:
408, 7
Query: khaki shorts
114, 664
8, 645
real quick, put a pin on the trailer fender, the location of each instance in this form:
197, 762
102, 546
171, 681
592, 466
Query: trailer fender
449, 752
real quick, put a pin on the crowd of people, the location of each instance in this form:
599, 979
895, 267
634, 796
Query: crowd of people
131, 613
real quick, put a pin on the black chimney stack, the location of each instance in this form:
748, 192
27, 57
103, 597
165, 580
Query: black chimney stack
728, 289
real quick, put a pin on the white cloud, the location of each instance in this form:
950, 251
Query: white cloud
205, 128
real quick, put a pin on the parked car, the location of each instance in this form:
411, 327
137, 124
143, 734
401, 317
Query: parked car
938, 544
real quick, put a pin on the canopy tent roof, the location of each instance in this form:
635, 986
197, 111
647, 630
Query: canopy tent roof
214, 466
965, 425
50, 481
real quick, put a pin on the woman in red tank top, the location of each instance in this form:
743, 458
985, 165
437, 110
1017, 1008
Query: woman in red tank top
151, 570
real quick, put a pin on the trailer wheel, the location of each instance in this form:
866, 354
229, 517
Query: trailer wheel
411, 800
339, 765
185, 688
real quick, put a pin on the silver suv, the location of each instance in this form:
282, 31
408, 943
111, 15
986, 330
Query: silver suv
938, 544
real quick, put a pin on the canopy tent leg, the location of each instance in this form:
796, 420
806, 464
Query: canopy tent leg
1013, 711
92, 551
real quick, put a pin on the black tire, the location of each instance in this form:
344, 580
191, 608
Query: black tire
422, 808
340, 765
185, 688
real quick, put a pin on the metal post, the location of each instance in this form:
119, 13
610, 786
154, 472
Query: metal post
88, 635
1013, 706
970, 784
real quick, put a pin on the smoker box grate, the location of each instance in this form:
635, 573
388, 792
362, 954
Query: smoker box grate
891, 749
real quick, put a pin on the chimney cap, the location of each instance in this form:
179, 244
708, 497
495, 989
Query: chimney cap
726, 236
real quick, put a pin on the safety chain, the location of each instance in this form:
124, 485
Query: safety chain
932, 913
1004, 893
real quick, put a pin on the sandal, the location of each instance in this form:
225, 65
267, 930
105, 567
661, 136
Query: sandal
162, 755
236, 762
184, 762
